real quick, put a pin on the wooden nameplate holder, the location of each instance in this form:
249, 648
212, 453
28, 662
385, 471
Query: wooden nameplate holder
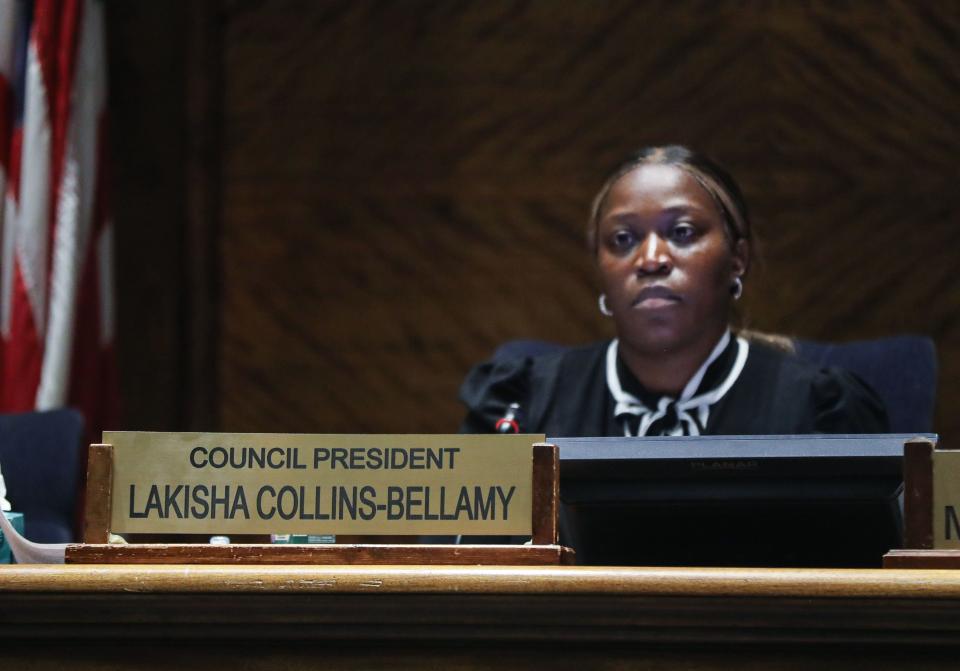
543, 550
918, 514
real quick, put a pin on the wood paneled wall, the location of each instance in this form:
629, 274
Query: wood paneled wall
398, 187
147, 130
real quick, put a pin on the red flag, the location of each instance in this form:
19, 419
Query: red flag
56, 284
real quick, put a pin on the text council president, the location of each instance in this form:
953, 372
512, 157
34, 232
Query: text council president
353, 458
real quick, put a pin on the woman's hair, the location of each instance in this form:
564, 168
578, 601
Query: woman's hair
714, 179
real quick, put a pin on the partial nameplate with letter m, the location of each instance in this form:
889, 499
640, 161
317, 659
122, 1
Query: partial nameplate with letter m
946, 499
257, 483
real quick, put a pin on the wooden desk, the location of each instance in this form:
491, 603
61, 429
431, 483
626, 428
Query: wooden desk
290, 617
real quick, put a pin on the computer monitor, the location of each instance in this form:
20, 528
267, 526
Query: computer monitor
789, 501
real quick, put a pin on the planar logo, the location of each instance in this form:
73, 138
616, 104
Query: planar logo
725, 465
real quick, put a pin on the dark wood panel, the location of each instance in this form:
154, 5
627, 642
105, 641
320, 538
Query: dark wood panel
147, 128
289, 617
371, 325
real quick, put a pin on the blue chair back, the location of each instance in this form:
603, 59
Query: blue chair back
40, 458
901, 369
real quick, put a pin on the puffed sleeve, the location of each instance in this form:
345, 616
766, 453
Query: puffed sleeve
843, 403
490, 388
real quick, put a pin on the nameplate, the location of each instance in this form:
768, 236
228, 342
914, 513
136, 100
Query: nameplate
256, 483
946, 499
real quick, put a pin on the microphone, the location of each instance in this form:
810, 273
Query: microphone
509, 423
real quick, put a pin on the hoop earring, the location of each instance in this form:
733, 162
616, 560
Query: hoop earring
736, 290
602, 304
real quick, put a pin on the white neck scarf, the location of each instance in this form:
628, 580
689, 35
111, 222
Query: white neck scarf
693, 411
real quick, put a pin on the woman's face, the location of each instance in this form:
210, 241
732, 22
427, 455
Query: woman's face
665, 261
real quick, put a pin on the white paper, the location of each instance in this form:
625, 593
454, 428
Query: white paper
28, 552
4, 504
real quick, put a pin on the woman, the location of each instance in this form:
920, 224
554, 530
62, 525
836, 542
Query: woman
671, 242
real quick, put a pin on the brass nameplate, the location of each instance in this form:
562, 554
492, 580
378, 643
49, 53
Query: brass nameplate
946, 499
258, 483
